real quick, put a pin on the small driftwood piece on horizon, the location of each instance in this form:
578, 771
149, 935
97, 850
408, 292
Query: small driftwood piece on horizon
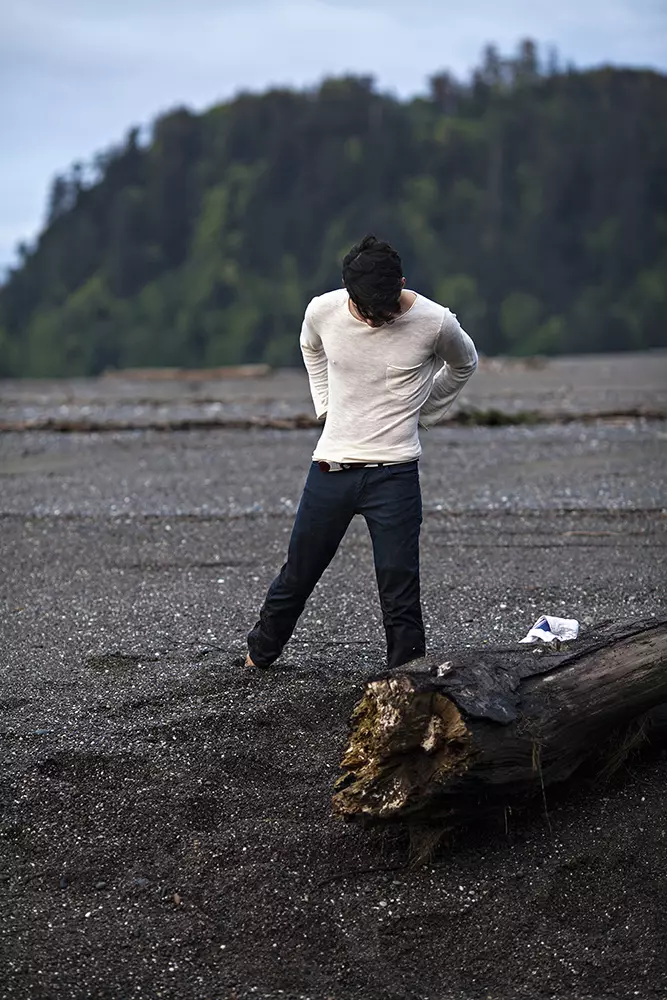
186, 374
444, 742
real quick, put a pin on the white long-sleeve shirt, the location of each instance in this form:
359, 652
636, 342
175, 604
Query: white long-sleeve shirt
376, 385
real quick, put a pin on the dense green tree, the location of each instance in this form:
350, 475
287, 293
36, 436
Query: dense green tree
532, 200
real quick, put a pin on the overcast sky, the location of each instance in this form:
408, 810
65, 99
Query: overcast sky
76, 74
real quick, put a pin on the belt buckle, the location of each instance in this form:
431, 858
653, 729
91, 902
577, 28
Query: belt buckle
324, 467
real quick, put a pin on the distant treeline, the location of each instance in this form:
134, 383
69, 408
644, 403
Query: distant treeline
532, 200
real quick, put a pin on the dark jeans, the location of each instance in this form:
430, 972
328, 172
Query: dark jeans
390, 499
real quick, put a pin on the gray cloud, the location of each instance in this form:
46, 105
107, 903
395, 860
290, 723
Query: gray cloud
76, 75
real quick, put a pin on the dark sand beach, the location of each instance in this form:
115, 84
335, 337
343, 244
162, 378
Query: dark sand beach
165, 822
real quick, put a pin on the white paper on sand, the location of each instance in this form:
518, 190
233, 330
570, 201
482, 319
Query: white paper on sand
547, 628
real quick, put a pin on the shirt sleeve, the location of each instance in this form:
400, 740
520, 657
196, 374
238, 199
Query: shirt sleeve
316, 363
455, 348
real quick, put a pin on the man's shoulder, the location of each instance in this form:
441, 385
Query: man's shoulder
428, 316
323, 306
430, 307
440, 319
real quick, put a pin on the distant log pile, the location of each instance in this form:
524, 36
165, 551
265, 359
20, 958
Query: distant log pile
446, 742
299, 421
88, 425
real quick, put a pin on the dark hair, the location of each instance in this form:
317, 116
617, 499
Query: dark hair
373, 277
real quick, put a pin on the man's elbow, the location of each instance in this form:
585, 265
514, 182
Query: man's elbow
467, 370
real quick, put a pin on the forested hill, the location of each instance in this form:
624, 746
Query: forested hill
532, 201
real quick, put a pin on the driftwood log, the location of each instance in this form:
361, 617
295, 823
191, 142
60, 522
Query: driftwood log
444, 742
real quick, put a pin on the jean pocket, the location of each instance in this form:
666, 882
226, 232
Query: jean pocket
403, 469
403, 382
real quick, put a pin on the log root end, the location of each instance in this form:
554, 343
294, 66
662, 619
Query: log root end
403, 742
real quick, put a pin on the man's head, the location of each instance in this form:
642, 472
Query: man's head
373, 277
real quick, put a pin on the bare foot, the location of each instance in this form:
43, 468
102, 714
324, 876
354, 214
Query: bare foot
248, 661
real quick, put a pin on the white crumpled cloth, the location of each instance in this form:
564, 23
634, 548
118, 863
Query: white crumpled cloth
547, 628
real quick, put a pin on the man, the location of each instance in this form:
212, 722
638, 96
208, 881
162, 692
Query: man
380, 360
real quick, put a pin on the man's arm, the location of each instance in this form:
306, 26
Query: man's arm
316, 363
457, 350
